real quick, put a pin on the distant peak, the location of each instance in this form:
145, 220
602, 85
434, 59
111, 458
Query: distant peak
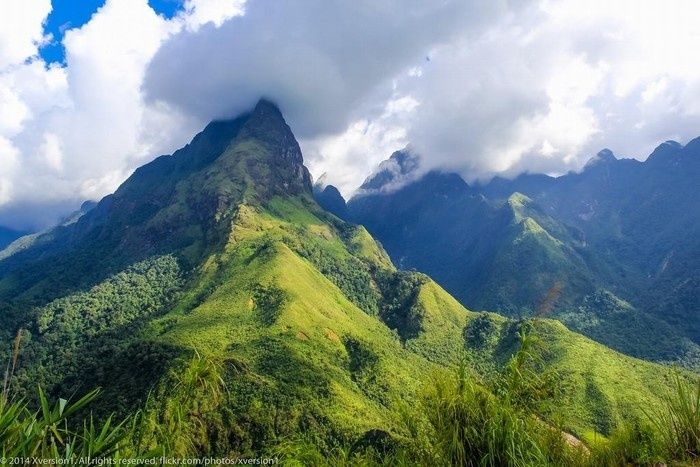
518, 199
405, 160
393, 173
665, 150
330, 199
603, 156
693, 146
322, 182
606, 155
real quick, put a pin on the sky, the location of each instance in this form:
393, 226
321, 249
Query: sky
92, 89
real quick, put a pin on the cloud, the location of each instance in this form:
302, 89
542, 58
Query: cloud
82, 124
362, 146
73, 133
21, 30
547, 88
319, 60
478, 86
199, 12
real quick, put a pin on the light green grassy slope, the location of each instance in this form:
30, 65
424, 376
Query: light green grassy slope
597, 387
245, 316
296, 342
272, 304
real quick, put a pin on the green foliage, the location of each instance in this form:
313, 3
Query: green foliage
526, 381
472, 427
141, 290
481, 333
75, 333
350, 274
49, 434
679, 420
606, 318
269, 301
400, 309
635, 443
362, 359
182, 416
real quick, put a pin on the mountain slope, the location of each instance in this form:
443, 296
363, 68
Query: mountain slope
611, 251
641, 223
214, 282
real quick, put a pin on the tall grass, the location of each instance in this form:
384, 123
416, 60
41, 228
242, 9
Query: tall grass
678, 422
46, 433
11, 365
631, 443
459, 421
472, 427
175, 425
180, 417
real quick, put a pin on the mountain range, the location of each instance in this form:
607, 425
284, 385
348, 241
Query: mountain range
613, 251
212, 293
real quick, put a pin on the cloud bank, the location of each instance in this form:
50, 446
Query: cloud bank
73, 133
480, 87
477, 87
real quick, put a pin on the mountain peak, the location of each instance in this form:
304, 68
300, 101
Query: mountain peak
267, 107
258, 143
693, 146
278, 164
393, 173
330, 199
606, 155
665, 150
322, 182
603, 156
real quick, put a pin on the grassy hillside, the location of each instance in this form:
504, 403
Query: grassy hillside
270, 324
303, 353
516, 256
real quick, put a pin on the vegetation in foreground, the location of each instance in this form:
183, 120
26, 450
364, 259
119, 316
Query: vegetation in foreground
459, 421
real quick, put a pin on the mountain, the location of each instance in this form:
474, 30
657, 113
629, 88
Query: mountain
616, 245
642, 223
329, 198
211, 296
401, 168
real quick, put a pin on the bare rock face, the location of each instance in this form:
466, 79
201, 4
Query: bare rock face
267, 126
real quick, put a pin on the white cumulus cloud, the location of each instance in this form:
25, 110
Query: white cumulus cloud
76, 132
476, 86
21, 29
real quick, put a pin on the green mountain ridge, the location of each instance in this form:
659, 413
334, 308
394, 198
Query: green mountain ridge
616, 245
213, 290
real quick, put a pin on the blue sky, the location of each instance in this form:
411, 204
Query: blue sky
68, 14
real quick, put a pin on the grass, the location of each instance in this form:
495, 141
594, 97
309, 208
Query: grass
454, 420
46, 433
679, 420
290, 355
311, 355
